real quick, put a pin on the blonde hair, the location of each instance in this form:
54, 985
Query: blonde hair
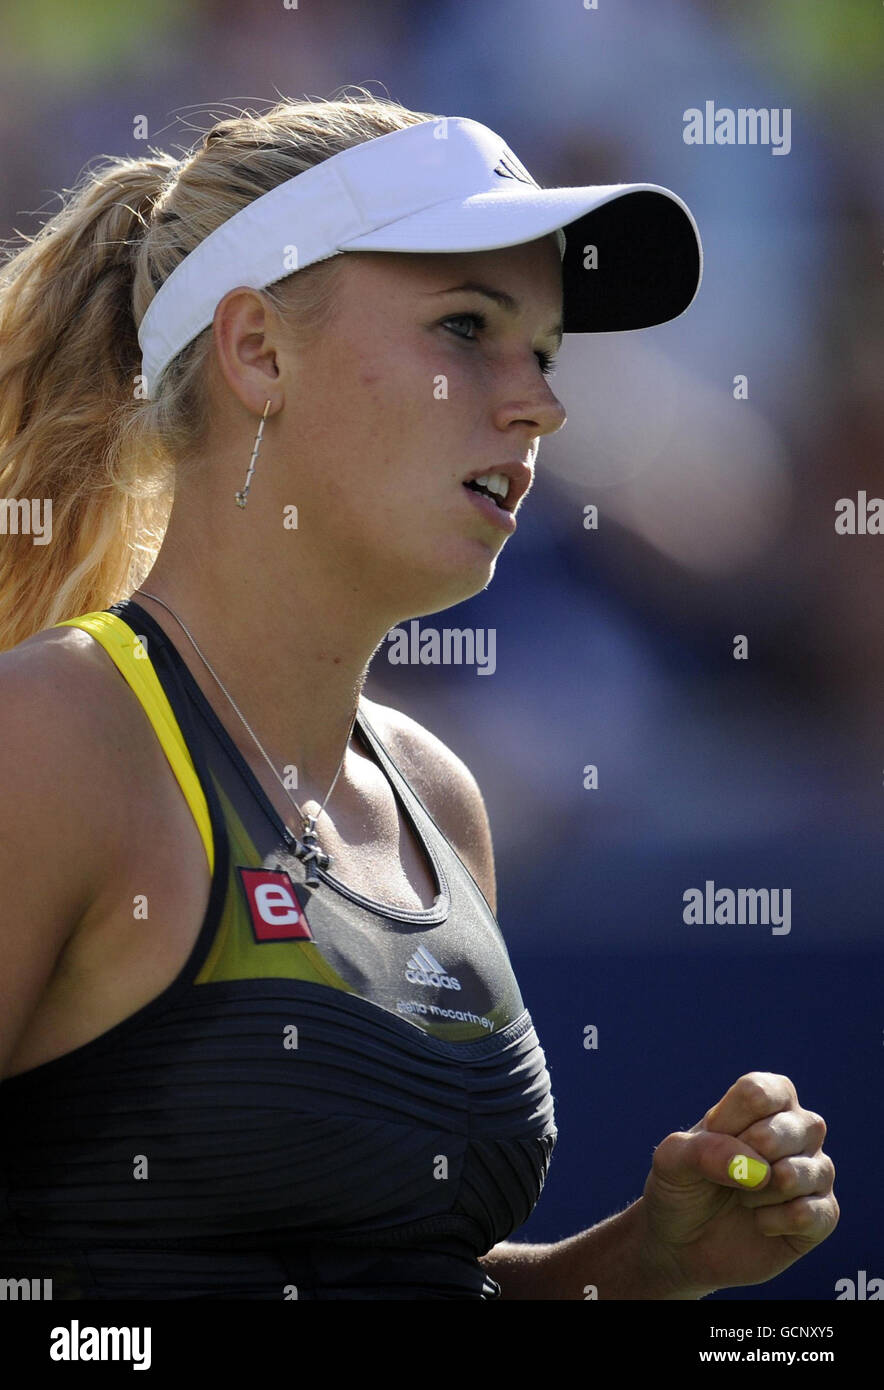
74, 425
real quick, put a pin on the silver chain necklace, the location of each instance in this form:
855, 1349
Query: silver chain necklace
307, 848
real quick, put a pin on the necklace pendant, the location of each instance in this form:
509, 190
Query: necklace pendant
308, 851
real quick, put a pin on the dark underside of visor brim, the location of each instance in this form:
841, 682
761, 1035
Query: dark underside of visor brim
648, 265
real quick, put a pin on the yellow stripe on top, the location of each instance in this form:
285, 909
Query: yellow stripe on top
125, 649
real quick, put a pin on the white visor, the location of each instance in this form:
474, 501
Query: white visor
444, 185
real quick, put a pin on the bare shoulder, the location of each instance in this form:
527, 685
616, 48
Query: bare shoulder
445, 785
60, 815
62, 698
50, 675
64, 669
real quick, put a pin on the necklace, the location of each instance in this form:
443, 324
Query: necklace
307, 848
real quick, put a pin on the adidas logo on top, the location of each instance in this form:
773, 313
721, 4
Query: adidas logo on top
508, 167
424, 969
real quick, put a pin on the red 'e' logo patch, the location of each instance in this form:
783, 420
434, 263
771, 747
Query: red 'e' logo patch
273, 906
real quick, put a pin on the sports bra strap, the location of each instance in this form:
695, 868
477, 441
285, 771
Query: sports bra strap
126, 650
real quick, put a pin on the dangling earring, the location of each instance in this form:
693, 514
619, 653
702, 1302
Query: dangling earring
243, 497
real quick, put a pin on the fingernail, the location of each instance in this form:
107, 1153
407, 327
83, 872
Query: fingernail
749, 1172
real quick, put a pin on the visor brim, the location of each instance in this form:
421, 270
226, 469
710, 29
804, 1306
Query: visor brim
646, 269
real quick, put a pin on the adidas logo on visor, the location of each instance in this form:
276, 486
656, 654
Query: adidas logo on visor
508, 167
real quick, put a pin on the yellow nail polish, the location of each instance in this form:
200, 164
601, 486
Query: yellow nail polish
747, 1171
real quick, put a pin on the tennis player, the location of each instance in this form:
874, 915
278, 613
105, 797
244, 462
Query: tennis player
260, 1035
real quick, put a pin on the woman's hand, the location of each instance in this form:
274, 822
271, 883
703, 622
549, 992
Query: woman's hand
707, 1230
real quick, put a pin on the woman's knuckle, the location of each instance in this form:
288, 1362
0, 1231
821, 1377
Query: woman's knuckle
754, 1087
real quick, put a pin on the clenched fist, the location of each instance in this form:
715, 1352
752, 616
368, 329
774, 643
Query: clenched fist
742, 1195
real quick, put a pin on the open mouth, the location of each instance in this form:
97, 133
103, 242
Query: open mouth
486, 492
494, 508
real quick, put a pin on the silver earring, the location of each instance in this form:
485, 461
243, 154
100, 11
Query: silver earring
243, 497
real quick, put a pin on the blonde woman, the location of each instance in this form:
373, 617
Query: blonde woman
260, 1036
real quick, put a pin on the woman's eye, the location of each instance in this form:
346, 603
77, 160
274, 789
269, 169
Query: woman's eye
546, 360
478, 319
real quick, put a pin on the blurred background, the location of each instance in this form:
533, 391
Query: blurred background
716, 518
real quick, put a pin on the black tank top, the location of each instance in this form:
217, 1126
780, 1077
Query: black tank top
335, 1098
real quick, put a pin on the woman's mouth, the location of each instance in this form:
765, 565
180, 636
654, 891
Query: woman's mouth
490, 508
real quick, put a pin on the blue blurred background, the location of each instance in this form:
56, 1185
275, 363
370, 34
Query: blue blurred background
716, 517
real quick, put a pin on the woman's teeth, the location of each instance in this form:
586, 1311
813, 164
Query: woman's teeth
496, 484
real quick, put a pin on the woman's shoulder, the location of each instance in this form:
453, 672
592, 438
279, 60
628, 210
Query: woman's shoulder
58, 671
69, 676
60, 813
444, 784
62, 696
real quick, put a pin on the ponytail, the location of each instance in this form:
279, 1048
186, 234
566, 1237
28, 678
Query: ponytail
69, 358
